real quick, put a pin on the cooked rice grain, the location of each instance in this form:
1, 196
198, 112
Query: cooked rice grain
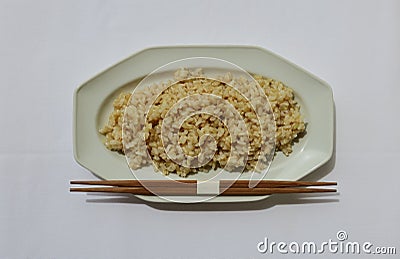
288, 119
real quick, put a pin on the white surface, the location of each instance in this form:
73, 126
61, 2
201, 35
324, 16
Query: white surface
47, 48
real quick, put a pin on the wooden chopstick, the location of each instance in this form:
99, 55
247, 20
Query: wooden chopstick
193, 191
169, 187
223, 183
133, 183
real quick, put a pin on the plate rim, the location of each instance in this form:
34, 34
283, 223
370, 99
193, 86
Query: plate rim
327, 156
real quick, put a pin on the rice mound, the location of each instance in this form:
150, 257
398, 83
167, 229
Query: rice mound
205, 140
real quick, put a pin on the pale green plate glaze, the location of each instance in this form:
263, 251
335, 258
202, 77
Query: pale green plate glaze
93, 103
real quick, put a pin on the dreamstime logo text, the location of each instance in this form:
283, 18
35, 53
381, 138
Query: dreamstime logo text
340, 245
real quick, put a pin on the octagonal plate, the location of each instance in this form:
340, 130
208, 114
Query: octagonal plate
93, 104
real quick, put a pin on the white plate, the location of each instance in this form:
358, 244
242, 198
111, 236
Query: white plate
93, 103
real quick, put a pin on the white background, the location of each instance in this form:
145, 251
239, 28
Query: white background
48, 48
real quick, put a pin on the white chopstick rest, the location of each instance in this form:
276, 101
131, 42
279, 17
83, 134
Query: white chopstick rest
208, 187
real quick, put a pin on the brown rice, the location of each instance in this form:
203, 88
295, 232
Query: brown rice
288, 125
